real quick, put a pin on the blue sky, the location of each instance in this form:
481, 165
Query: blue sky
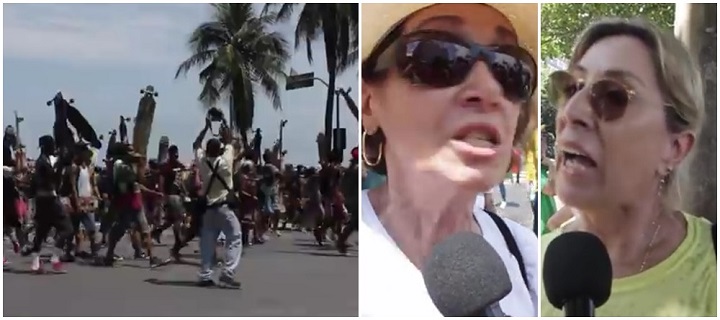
103, 54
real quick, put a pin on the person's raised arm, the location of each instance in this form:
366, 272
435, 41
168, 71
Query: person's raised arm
198, 141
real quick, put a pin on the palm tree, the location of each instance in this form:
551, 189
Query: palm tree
337, 23
237, 51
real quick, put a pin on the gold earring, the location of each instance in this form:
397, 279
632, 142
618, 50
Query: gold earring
364, 155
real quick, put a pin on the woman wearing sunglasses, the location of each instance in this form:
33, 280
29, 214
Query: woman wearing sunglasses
630, 107
447, 91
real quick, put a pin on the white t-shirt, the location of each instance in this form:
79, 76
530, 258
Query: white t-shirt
391, 286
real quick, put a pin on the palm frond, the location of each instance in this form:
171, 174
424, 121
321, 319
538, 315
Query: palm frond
197, 59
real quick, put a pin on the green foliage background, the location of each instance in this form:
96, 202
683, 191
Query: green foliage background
561, 23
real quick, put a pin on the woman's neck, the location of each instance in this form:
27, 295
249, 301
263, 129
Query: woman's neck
418, 214
632, 233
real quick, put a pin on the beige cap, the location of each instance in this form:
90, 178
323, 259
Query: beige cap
380, 18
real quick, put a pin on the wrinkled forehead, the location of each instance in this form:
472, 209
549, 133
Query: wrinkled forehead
472, 20
622, 58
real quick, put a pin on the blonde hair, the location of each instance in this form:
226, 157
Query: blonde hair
676, 71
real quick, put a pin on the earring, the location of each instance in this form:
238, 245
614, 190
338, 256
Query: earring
664, 180
364, 155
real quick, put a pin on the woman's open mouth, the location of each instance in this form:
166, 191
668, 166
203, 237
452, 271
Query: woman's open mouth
575, 161
477, 140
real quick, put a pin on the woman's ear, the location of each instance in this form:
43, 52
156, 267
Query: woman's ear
680, 146
368, 104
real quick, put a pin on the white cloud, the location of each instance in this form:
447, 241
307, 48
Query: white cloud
98, 34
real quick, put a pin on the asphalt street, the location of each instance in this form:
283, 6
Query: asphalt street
287, 276
518, 206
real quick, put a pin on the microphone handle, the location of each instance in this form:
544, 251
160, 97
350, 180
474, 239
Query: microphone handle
579, 307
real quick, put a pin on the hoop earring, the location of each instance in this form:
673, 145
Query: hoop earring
364, 155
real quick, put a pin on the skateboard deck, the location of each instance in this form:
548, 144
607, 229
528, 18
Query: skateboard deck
144, 120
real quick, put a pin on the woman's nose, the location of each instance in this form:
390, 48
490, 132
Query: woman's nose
576, 111
480, 86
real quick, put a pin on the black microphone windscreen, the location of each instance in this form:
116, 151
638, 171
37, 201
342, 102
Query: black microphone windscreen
577, 265
464, 275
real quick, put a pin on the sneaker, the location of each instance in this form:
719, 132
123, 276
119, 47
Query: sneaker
226, 282
156, 262
318, 237
57, 267
175, 254
6, 264
107, 261
140, 256
341, 247
36, 265
118, 258
205, 283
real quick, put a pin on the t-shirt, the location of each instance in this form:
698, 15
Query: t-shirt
126, 193
44, 177
683, 285
530, 158
167, 170
392, 286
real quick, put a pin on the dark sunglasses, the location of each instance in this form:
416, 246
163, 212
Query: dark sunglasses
440, 59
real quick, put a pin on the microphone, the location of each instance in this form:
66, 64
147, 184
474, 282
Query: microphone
577, 274
465, 277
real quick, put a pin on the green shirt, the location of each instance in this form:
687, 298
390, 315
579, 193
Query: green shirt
682, 285
547, 203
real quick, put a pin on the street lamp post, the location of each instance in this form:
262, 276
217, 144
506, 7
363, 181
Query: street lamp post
306, 80
282, 125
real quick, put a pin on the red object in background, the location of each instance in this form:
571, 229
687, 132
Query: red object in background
354, 152
21, 207
515, 161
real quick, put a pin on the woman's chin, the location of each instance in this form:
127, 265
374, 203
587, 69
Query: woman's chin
476, 179
576, 197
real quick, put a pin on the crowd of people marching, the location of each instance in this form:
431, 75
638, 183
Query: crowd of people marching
229, 195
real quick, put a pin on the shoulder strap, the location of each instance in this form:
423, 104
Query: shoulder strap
714, 236
215, 174
212, 177
511, 244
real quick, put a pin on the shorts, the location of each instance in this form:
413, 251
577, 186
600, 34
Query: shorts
128, 217
270, 205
